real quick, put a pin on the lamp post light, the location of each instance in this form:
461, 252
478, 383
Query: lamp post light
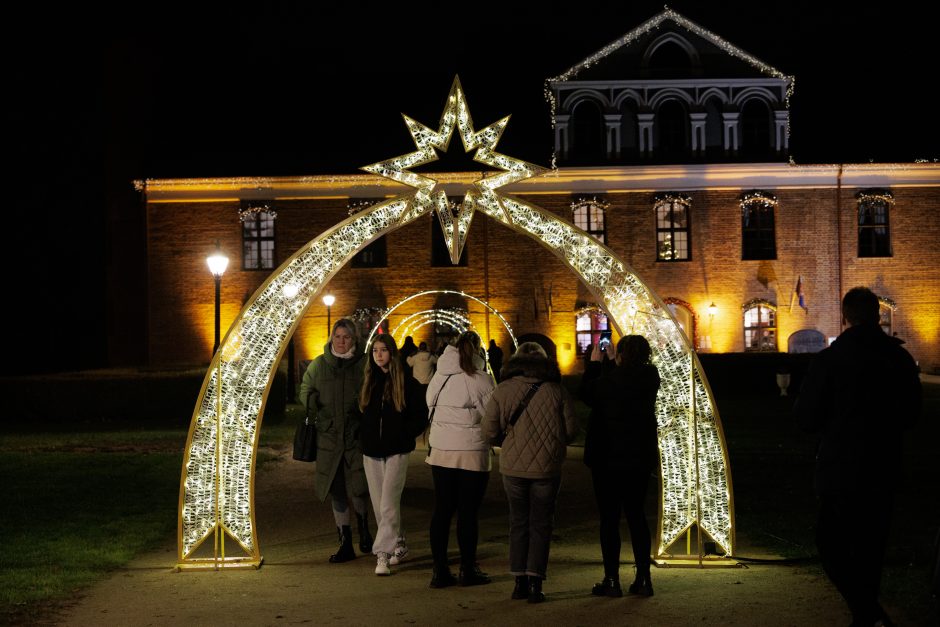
217, 263
328, 300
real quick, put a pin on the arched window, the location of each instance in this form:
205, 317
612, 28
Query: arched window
672, 227
257, 218
588, 214
629, 131
591, 324
714, 127
672, 131
758, 240
760, 325
756, 132
588, 140
874, 234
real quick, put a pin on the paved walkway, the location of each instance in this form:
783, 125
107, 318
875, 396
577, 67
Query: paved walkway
296, 585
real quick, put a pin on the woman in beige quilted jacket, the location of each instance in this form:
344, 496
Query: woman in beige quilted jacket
536, 414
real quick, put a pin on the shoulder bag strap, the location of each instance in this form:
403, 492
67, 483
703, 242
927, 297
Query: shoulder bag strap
437, 396
525, 403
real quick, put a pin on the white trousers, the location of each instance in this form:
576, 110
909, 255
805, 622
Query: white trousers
386, 478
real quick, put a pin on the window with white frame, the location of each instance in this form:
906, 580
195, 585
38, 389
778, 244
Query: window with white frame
760, 326
672, 227
257, 220
588, 214
591, 324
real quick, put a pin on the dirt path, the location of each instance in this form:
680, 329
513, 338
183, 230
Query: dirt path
296, 585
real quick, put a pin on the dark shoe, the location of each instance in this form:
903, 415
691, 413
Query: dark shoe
521, 591
443, 579
535, 590
610, 587
345, 551
365, 536
642, 585
472, 576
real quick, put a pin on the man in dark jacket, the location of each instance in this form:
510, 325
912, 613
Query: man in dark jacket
859, 395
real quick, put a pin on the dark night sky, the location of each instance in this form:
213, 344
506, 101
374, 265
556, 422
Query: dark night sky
170, 91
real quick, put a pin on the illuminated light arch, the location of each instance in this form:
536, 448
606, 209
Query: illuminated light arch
455, 320
463, 294
217, 483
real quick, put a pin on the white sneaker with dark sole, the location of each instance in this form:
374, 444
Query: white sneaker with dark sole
381, 565
399, 556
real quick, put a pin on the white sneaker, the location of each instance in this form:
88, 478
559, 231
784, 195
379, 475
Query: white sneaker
381, 565
401, 552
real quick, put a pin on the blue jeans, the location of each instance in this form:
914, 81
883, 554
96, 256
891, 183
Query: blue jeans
531, 517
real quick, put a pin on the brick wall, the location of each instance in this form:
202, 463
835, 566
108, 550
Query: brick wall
538, 294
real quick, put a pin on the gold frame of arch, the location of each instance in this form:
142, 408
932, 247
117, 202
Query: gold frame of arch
217, 483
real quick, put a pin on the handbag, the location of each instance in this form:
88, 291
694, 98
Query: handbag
305, 441
498, 441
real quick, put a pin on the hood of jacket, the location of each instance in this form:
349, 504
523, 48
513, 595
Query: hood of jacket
532, 366
449, 362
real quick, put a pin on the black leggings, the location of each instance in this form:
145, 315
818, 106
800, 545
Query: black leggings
459, 491
618, 491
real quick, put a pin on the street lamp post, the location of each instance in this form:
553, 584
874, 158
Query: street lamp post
217, 263
328, 300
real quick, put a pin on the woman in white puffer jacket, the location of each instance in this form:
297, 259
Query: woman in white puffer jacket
460, 456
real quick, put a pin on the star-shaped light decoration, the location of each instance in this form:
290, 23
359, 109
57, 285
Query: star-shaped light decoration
456, 115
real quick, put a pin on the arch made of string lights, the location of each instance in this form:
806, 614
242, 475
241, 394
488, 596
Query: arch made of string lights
462, 294
217, 483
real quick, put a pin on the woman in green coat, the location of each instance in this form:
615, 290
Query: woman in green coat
330, 391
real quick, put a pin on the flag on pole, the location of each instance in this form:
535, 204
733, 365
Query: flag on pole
798, 293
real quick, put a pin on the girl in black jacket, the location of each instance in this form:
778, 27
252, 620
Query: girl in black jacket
393, 413
622, 449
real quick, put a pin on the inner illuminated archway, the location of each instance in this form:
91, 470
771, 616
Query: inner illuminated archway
462, 294
217, 487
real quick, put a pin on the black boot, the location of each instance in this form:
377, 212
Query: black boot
535, 590
441, 577
521, 591
610, 587
471, 575
365, 536
642, 585
345, 551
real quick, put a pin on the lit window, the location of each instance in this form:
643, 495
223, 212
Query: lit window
760, 326
874, 232
886, 308
757, 226
588, 216
591, 325
257, 235
672, 227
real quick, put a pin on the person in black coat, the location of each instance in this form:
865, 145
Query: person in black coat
859, 395
393, 413
621, 449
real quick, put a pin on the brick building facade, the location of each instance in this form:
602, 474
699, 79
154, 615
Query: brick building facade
724, 240
816, 231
